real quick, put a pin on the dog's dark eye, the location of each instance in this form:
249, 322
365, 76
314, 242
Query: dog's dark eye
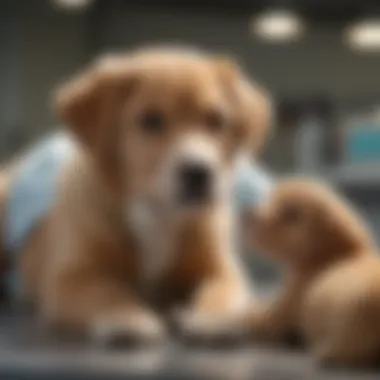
215, 120
152, 122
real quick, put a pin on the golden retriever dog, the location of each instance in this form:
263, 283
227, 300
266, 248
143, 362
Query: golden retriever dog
331, 291
140, 224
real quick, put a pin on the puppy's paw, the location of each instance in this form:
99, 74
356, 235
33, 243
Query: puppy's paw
209, 329
128, 329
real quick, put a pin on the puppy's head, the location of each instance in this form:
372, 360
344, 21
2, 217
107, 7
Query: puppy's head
304, 222
165, 124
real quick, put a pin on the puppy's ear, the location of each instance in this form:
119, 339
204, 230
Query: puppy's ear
88, 103
339, 231
253, 106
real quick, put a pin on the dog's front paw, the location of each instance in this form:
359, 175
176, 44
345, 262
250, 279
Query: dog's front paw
124, 329
209, 329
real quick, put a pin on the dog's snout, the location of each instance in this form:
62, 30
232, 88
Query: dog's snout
195, 175
195, 182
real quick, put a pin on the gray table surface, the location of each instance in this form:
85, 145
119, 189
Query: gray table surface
26, 352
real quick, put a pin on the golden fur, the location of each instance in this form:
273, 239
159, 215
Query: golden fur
83, 264
331, 294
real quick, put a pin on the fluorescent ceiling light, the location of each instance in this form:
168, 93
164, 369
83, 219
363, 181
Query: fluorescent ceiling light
364, 35
278, 26
73, 4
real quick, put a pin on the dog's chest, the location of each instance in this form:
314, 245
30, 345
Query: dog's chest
157, 240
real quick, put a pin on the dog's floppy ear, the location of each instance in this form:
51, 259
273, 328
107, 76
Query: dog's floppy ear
89, 101
91, 106
253, 105
258, 116
339, 230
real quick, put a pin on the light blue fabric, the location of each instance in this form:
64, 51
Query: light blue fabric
252, 184
33, 188
32, 194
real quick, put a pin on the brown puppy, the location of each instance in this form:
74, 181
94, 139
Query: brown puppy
331, 294
140, 223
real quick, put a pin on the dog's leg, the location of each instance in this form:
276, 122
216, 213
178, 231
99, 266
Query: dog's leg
274, 321
217, 303
223, 290
101, 307
87, 287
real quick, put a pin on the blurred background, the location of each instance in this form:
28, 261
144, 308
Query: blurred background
319, 58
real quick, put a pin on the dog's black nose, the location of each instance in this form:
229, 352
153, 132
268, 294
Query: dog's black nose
195, 182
